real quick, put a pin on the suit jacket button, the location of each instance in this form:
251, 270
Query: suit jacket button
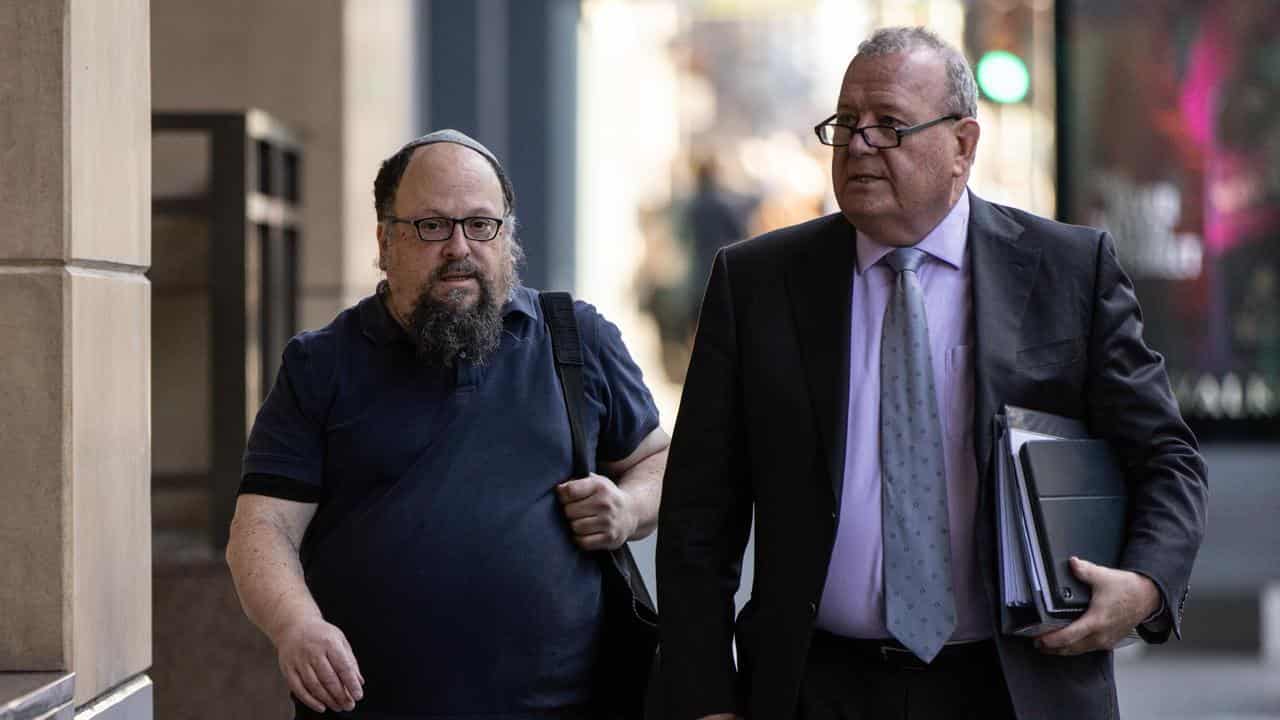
813, 608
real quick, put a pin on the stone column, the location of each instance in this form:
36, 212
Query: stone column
75, 219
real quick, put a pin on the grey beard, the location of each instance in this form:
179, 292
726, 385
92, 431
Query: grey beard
443, 331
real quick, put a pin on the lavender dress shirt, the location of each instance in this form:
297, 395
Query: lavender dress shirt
853, 598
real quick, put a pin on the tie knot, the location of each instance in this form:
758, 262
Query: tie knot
907, 258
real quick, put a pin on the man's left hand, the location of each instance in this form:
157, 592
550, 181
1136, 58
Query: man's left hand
1121, 600
599, 512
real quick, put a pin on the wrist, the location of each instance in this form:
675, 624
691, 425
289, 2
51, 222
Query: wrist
630, 514
286, 620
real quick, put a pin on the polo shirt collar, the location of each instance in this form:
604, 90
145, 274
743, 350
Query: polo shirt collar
381, 328
523, 300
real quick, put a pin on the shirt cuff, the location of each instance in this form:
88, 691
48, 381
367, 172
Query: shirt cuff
1155, 615
1159, 620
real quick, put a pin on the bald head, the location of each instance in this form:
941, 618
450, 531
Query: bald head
393, 168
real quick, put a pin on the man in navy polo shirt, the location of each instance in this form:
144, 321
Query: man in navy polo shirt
406, 532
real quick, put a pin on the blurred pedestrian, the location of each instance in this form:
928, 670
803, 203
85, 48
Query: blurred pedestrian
714, 217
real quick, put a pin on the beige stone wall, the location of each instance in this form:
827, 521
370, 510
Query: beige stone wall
75, 555
35, 515
110, 469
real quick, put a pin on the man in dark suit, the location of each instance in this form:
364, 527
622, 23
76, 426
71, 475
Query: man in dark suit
842, 388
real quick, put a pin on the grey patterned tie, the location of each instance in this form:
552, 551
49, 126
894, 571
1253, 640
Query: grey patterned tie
919, 603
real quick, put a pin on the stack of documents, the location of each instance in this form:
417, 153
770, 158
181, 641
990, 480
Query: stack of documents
1059, 494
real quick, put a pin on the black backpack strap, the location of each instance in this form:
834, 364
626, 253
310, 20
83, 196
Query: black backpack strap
630, 636
566, 342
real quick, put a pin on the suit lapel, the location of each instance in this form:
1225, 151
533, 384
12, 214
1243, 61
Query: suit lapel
819, 279
1004, 266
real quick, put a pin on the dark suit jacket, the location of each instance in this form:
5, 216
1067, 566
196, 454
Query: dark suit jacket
762, 427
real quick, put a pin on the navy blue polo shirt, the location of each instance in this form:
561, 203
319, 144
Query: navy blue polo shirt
439, 546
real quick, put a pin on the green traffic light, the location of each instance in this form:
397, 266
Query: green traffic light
1003, 77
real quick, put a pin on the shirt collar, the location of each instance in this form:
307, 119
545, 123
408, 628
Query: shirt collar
523, 300
946, 241
378, 325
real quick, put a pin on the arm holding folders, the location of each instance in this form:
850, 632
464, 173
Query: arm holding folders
1061, 494
1128, 402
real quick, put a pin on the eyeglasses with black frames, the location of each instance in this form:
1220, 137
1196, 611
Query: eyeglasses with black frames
882, 137
439, 229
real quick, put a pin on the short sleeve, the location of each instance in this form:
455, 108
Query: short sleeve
616, 388
285, 453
